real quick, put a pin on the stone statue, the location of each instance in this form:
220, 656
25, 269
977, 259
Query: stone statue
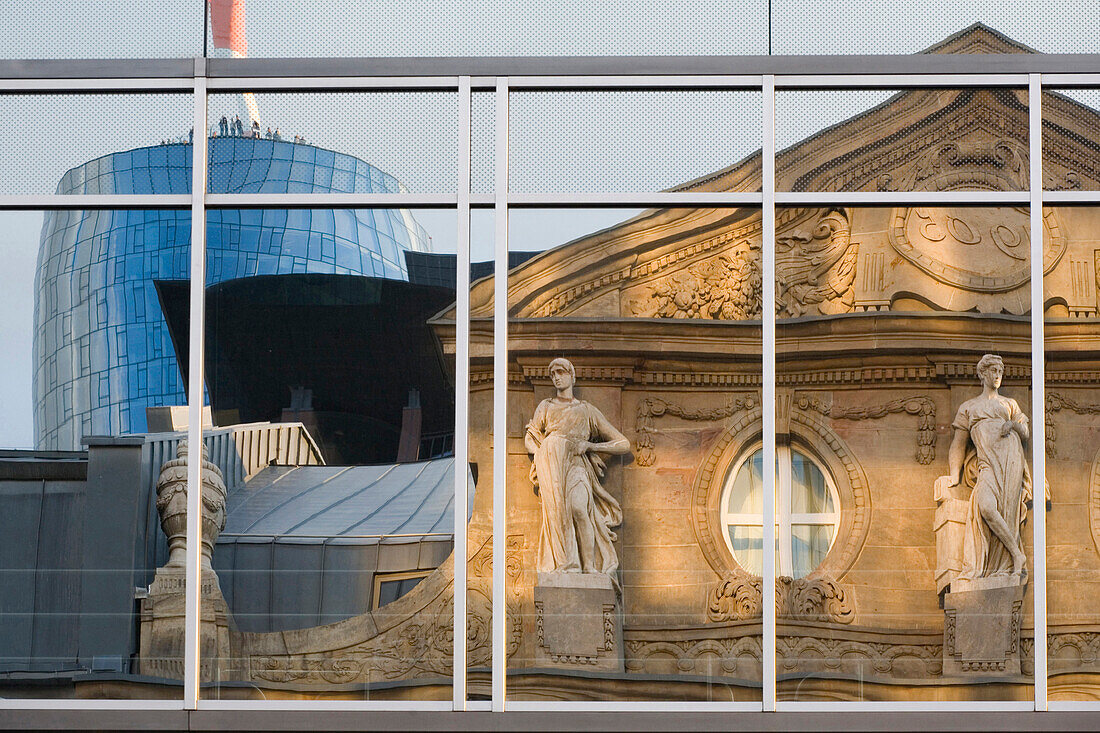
995, 425
565, 437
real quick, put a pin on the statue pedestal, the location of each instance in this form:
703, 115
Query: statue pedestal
578, 622
162, 627
981, 632
950, 528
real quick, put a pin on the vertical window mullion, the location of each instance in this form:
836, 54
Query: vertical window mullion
500, 391
196, 349
767, 214
462, 396
783, 507
1038, 387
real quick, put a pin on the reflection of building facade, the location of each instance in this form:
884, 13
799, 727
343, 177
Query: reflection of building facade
102, 349
883, 315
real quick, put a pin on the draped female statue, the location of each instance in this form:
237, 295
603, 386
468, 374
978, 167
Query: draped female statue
996, 427
566, 437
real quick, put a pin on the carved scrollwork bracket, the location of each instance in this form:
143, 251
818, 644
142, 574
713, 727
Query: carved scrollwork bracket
812, 598
923, 407
654, 407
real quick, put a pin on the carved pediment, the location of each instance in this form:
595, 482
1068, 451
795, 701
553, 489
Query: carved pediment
705, 264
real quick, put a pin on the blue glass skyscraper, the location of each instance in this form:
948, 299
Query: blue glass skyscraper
102, 349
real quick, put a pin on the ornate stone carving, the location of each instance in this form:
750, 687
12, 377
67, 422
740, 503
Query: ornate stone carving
162, 630
567, 438
1056, 402
419, 646
996, 427
726, 287
984, 250
845, 656
981, 631
923, 407
816, 270
564, 300
654, 407
955, 165
812, 598
736, 651
172, 505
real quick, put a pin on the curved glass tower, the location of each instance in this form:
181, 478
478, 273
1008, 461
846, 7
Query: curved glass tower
101, 345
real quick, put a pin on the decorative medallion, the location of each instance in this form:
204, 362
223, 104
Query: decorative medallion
979, 249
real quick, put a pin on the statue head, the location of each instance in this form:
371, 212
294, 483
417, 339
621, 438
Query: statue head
562, 373
990, 370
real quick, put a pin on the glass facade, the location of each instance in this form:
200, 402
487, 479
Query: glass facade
682, 393
103, 352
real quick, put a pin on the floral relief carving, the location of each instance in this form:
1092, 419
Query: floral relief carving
726, 288
654, 407
923, 407
812, 598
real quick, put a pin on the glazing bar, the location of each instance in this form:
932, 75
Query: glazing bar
462, 396
195, 396
767, 402
1038, 390
500, 392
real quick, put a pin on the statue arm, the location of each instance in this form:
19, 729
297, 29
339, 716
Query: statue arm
1020, 424
536, 429
613, 442
956, 454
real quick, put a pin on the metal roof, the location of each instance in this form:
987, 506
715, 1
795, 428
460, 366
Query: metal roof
345, 503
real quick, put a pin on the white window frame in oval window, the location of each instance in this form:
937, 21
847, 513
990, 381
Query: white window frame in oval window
786, 518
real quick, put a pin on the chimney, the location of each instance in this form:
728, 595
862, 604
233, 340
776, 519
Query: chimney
408, 448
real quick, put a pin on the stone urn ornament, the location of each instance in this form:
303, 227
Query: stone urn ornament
172, 505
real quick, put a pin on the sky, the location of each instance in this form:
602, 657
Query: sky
579, 142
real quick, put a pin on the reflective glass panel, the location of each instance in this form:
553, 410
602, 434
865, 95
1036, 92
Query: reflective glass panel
634, 141
377, 142
968, 26
482, 28
634, 375
923, 139
96, 143
1072, 493
91, 531
330, 376
903, 398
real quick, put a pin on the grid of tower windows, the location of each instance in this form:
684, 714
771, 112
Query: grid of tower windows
103, 352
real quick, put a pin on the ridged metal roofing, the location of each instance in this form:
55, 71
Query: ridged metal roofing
349, 502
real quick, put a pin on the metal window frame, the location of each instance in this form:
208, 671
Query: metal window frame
767, 75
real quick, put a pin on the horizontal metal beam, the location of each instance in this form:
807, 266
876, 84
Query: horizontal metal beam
903, 198
135, 85
522, 66
96, 68
898, 81
642, 199
331, 200
335, 84
54, 202
540, 66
